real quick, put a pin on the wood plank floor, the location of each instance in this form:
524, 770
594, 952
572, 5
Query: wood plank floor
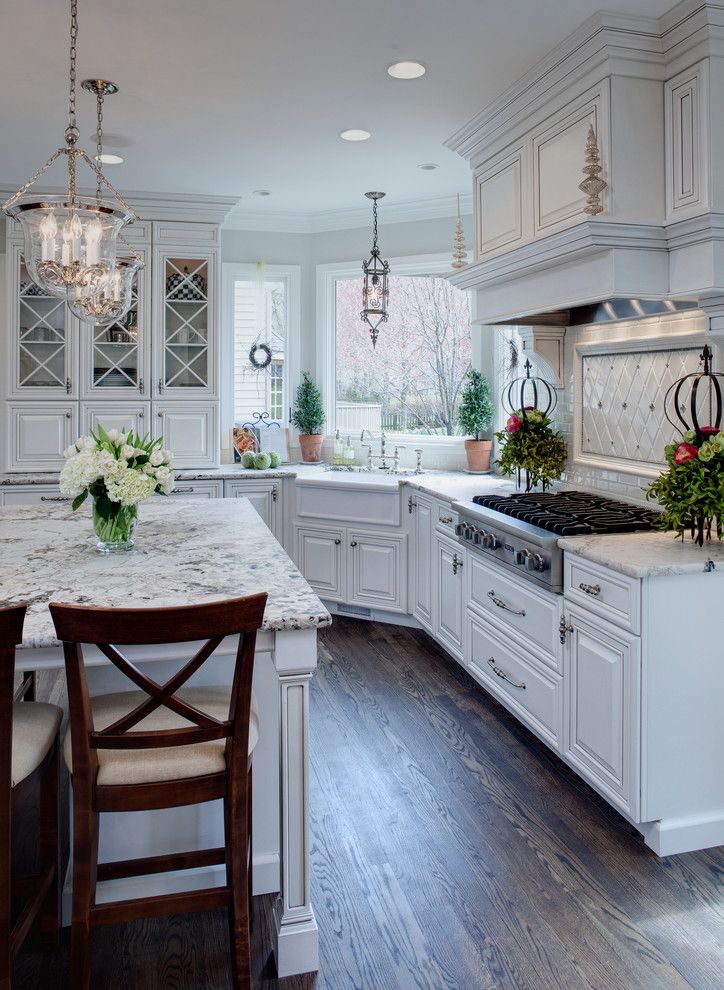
451, 851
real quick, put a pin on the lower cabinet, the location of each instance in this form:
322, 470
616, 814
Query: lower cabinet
355, 566
420, 570
38, 433
190, 430
449, 605
603, 708
265, 496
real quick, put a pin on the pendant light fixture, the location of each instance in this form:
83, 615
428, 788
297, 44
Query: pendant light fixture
69, 238
375, 292
107, 295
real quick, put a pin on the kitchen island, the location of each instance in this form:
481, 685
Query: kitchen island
190, 553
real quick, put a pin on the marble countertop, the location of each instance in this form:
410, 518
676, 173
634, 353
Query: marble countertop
185, 552
646, 554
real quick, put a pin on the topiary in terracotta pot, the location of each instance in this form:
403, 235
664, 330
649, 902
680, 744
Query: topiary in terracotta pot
475, 417
308, 417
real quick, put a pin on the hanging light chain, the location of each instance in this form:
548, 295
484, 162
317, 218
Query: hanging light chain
71, 132
99, 136
375, 249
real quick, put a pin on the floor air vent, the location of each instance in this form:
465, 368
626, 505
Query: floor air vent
364, 613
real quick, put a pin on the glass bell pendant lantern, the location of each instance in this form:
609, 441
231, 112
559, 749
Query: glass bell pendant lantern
68, 239
108, 295
375, 292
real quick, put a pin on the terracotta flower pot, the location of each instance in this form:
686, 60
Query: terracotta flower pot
311, 446
478, 454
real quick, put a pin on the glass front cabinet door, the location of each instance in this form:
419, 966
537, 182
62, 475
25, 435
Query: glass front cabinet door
185, 324
42, 339
115, 359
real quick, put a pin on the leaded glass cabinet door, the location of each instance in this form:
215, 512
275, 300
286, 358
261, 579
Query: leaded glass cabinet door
116, 358
43, 335
186, 353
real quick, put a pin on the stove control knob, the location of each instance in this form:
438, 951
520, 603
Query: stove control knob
490, 541
536, 562
460, 529
521, 557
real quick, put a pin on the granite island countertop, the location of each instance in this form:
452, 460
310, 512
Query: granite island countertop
643, 555
186, 552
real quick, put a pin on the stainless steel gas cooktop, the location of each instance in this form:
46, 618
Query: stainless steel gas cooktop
521, 531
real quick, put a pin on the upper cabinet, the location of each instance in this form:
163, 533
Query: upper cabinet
687, 143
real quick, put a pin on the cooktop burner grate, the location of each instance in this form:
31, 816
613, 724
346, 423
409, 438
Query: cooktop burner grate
571, 513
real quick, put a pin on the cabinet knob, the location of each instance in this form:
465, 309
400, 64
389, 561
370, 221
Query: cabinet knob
141, 386
410, 505
337, 542
68, 386
68, 415
160, 384
160, 414
274, 494
353, 543
140, 414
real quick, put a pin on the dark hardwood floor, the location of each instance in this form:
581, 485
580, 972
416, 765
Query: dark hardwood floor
451, 851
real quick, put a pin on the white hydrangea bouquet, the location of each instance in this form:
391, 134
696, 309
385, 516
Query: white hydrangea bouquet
118, 469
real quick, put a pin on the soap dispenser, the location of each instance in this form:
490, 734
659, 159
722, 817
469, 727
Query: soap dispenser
349, 454
338, 455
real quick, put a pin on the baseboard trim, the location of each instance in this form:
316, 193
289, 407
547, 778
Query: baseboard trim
673, 836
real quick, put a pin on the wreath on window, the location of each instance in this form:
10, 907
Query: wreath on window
260, 355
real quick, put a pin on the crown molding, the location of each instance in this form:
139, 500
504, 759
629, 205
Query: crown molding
155, 206
312, 223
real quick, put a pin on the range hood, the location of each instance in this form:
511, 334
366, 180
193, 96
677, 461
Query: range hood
650, 90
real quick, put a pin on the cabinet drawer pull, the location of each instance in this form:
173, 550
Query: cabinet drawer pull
410, 504
501, 604
353, 543
499, 672
179, 491
590, 589
274, 494
141, 386
160, 385
446, 520
564, 627
55, 498
337, 542
68, 386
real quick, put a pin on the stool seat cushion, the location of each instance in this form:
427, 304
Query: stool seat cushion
144, 766
35, 726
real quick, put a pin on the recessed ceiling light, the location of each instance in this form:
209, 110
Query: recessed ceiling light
355, 134
428, 166
261, 192
406, 70
109, 159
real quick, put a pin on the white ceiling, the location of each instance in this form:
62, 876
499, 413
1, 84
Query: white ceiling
224, 97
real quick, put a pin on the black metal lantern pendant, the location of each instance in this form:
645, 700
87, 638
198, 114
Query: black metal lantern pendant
529, 392
375, 292
694, 398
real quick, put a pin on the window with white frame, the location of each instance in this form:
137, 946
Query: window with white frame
411, 383
260, 330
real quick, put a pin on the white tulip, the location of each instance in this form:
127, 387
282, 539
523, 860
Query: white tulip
157, 458
127, 452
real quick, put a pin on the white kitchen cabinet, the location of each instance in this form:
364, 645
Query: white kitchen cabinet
38, 433
134, 416
190, 430
449, 604
321, 554
377, 570
420, 561
687, 143
198, 489
501, 217
265, 496
602, 728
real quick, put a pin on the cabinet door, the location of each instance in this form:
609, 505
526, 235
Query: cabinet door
320, 557
603, 708
265, 496
41, 361
190, 430
134, 416
185, 343
38, 434
421, 526
448, 611
115, 359
500, 202
377, 571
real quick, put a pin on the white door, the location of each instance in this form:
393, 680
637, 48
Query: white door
190, 431
377, 569
134, 416
603, 715
448, 612
38, 433
421, 559
320, 557
265, 496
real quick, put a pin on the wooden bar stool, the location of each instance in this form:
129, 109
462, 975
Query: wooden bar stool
29, 753
160, 747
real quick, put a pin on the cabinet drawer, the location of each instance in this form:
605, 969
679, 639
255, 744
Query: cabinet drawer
613, 596
534, 695
32, 495
198, 489
445, 519
531, 617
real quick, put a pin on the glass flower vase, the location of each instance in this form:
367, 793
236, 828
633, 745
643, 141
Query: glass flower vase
115, 531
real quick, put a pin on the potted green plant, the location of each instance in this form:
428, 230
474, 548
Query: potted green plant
475, 417
308, 417
529, 443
